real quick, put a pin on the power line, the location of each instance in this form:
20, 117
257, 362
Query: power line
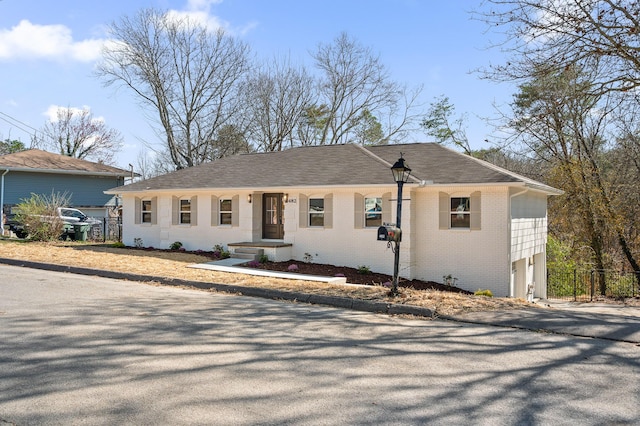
12, 121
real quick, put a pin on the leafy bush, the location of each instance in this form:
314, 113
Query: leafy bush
486, 293
39, 216
292, 267
263, 258
176, 245
254, 264
364, 270
219, 252
118, 244
138, 242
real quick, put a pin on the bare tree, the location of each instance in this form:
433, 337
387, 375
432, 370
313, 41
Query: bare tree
552, 35
559, 119
77, 133
354, 85
188, 75
277, 97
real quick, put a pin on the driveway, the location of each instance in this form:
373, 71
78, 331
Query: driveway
599, 320
77, 349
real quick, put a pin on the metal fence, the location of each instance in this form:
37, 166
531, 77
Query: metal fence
589, 285
109, 230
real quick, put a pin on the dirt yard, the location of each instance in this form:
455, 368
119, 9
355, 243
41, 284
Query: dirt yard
174, 264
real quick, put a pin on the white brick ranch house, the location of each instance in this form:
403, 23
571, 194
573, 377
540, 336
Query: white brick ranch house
462, 217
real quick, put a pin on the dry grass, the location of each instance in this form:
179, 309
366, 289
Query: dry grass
175, 265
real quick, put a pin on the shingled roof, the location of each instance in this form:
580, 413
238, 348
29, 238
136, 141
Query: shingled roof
36, 160
333, 165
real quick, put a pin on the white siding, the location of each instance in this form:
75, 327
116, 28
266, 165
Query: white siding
528, 243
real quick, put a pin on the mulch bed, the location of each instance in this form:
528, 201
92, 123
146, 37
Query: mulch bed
353, 275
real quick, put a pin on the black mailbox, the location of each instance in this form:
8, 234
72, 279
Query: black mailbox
389, 233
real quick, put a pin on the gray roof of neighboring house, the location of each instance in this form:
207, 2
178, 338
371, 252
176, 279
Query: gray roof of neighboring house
35, 160
334, 165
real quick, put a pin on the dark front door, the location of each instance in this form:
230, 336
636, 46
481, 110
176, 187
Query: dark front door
272, 216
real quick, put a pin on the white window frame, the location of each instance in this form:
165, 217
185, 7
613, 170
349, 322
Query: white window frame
462, 211
446, 213
184, 213
317, 213
146, 213
229, 212
375, 212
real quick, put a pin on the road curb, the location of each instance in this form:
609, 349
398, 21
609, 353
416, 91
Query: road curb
274, 294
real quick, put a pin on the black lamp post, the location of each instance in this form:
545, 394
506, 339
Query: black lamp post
401, 174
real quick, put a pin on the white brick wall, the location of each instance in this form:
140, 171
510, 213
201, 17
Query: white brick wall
478, 259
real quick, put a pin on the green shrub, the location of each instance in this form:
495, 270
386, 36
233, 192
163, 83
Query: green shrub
364, 270
486, 293
220, 252
176, 245
263, 258
118, 244
39, 216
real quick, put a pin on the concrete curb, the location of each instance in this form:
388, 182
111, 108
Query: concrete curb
294, 296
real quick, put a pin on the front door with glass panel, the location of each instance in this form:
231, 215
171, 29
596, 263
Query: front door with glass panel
272, 216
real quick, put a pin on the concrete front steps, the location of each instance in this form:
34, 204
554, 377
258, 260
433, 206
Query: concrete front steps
247, 253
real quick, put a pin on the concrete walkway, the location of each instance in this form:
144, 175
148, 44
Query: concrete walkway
230, 265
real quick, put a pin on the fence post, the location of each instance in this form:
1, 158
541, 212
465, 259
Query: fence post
575, 285
593, 285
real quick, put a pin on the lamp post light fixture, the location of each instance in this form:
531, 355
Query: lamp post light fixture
401, 174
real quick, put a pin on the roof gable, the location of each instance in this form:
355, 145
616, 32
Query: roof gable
42, 161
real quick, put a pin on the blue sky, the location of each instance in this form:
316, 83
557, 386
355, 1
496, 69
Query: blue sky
48, 50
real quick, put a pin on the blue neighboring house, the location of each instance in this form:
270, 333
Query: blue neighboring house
40, 172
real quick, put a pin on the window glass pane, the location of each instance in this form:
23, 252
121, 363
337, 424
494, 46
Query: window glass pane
316, 219
225, 205
225, 218
146, 205
461, 220
372, 212
185, 217
460, 204
316, 204
271, 217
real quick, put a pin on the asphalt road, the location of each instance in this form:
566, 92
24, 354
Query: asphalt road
84, 350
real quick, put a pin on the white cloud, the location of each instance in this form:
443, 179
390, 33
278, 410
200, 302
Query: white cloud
199, 12
32, 41
201, 4
212, 23
52, 112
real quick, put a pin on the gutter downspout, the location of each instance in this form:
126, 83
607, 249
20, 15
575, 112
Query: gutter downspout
511, 281
2, 199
